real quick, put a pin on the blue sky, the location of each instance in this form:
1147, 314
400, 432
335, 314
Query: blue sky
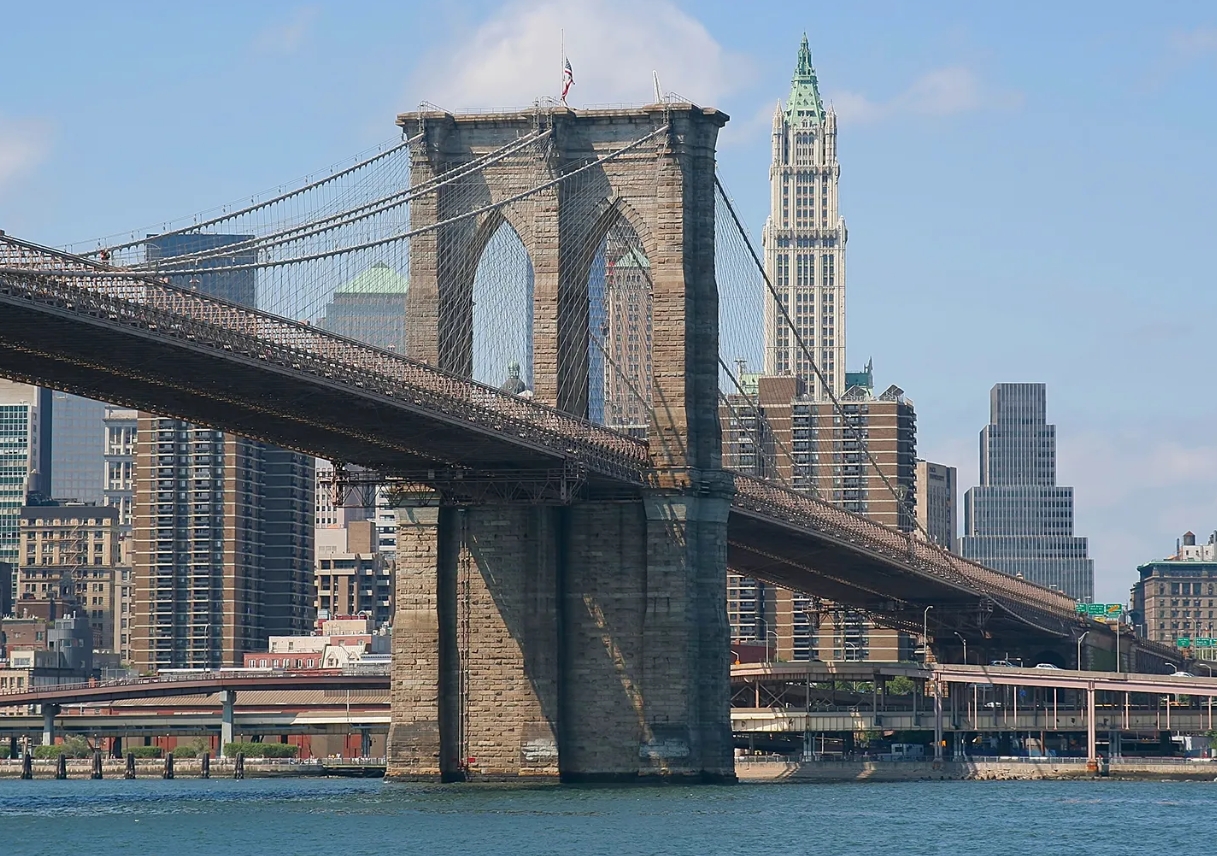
1029, 188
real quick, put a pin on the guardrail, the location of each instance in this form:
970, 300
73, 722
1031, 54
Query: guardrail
195, 677
43, 276
781, 503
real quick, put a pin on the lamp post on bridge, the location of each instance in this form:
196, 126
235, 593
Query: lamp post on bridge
769, 659
925, 634
1080, 638
965, 646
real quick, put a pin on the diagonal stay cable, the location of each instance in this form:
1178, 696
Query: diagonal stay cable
269, 202
343, 218
431, 227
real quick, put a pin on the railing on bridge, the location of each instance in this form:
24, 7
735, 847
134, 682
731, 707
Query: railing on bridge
799, 509
197, 676
147, 304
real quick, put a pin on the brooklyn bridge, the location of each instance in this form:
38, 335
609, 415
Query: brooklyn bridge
565, 537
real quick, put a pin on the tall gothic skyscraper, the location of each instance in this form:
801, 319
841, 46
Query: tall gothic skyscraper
805, 238
1019, 520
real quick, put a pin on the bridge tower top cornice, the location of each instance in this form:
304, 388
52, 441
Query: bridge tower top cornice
644, 115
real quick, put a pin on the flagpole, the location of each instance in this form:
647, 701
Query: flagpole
562, 59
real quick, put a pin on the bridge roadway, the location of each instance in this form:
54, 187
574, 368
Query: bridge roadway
75, 325
1067, 702
968, 699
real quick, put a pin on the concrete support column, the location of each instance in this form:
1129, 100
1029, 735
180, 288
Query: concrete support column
414, 743
937, 688
49, 712
1092, 755
228, 699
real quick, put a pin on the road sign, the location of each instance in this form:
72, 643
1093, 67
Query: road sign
1101, 610
1198, 642
1183, 642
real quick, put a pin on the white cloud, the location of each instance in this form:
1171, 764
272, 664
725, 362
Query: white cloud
515, 57
24, 144
1193, 43
286, 36
1135, 494
941, 92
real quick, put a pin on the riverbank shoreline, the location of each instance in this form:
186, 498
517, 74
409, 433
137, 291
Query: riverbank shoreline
999, 769
748, 772
191, 768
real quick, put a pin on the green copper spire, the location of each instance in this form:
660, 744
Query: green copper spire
804, 106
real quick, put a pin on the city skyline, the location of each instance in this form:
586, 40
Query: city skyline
948, 88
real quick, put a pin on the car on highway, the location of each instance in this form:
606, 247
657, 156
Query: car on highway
1004, 663
1181, 675
1047, 666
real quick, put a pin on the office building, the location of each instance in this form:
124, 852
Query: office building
1018, 520
71, 553
354, 574
25, 458
804, 239
1176, 598
935, 503
371, 308
208, 272
77, 431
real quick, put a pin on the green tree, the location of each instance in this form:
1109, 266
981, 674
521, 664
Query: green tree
900, 685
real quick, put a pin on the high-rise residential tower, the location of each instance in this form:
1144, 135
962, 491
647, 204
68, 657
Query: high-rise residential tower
804, 239
1019, 520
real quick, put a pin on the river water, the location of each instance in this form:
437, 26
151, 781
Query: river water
189, 817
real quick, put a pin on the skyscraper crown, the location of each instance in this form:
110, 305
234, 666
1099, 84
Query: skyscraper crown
804, 106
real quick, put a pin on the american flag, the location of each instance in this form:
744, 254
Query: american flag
568, 79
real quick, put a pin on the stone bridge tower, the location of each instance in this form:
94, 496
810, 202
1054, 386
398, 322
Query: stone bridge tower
588, 640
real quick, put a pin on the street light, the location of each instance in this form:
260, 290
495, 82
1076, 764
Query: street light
845, 646
925, 632
1080, 638
1206, 666
774, 634
965, 646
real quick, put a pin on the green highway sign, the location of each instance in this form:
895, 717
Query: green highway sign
1199, 642
1101, 610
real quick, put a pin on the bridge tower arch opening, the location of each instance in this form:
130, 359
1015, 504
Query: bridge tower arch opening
584, 638
501, 295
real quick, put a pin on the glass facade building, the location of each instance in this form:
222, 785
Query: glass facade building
371, 308
77, 445
1018, 520
25, 443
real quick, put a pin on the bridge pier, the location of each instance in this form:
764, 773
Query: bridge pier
228, 698
49, 712
577, 644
